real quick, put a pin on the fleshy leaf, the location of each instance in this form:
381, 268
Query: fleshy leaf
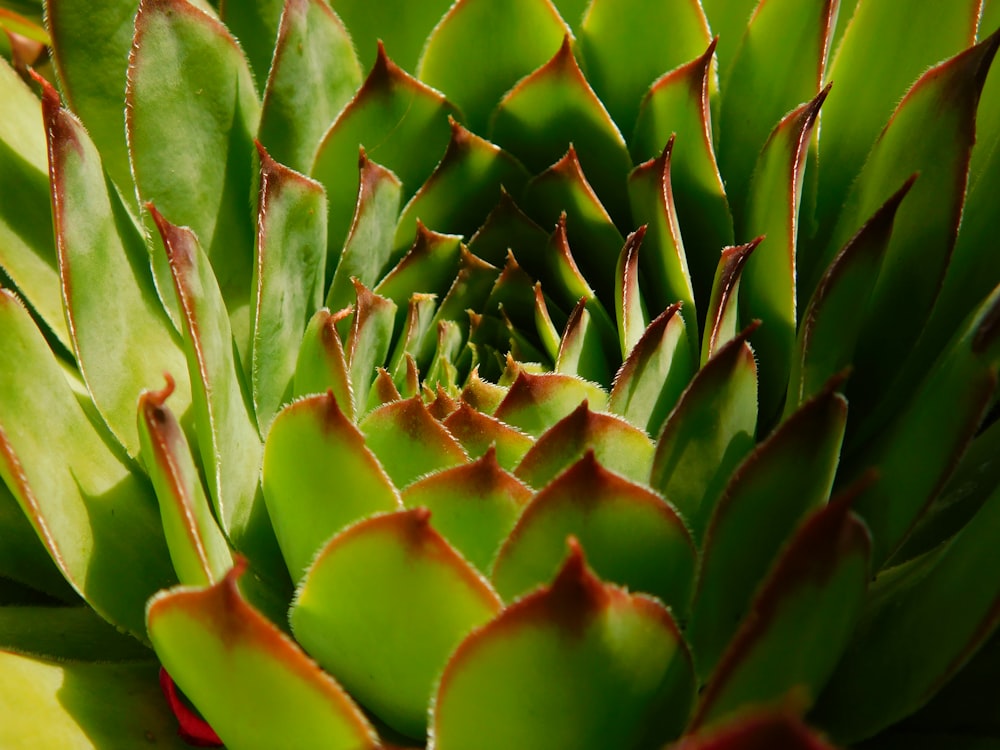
470, 54
474, 506
401, 123
409, 441
630, 308
760, 730
319, 477
322, 364
256, 24
190, 92
508, 229
580, 348
722, 320
617, 672
198, 550
314, 74
535, 403
555, 107
729, 20
631, 536
403, 25
478, 432
777, 485
95, 515
619, 447
251, 682
288, 279
813, 595
368, 343
677, 105
354, 612
708, 433
108, 291
628, 45
23, 556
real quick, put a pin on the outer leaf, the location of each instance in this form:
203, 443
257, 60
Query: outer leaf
471, 57
198, 550
350, 610
108, 291
251, 682
190, 92
782, 480
813, 595
319, 477
227, 436
314, 74
403, 26
288, 279
402, 124
708, 433
779, 64
535, 403
722, 320
555, 107
617, 673
628, 45
95, 516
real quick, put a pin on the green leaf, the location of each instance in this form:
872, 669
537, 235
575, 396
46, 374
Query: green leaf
779, 64
619, 447
677, 105
470, 55
111, 303
198, 549
626, 46
555, 107
90, 47
95, 515
319, 477
508, 229
401, 123
314, 74
781, 481
409, 441
708, 433
729, 20
869, 86
813, 595
81, 705
617, 672
478, 432
348, 612
228, 440
27, 251
535, 403
191, 93
474, 506
66, 634
290, 252
368, 343
631, 536
252, 684
767, 286
630, 308
404, 26
654, 375
722, 320
255, 24
580, 348
322, 364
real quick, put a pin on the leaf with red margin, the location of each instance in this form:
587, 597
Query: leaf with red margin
463, 189
198, 549
403, 25
658, 369
368, 343
784, 478
605, 668
631, 536
535, 402
813, 595
581, 352
313, 75
762, 730
482, 395
322, 364
779, 63
722, 321
319, 477
768, 281
471, 56
627, 45
290, 252
708, 433
400, 122
252, 684
420, 312
554, 108
474, 506
409, 441
111, 303
677, 105
618, 445
191, 92
478, 432
228, 440
95, 514
354, 612
630, 308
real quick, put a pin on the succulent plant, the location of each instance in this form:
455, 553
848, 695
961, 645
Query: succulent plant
535, 374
